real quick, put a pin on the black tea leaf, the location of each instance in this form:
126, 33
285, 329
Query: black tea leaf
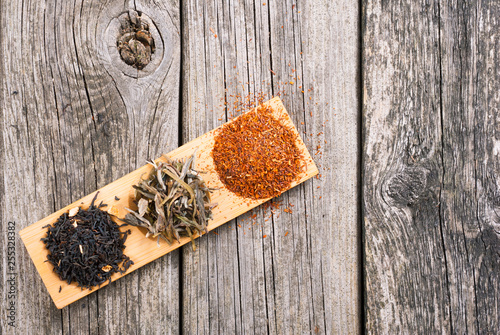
86, 246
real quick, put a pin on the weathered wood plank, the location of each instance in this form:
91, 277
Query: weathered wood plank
240, 281
405, 265
470, 197
320, 41
211, 280
430, 94
75, 124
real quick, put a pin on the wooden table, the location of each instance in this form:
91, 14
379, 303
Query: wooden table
398, 103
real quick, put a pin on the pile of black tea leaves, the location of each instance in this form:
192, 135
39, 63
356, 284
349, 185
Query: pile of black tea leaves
86, 246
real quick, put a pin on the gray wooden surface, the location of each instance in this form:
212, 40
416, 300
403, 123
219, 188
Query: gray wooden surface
431, 186
74, 117
308, 280
399, 234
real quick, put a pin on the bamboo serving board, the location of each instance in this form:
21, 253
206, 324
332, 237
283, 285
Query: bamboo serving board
140, 249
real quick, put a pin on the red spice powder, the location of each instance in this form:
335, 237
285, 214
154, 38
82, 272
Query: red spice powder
256, 156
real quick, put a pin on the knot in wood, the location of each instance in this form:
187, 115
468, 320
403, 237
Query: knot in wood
406, 187
135, 42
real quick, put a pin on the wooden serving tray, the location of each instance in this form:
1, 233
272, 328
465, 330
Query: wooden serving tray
140, 249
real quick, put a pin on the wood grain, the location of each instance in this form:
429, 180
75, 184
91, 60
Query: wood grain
470, 196
143, 250
430, 167
322, 46
69, 128
279, 280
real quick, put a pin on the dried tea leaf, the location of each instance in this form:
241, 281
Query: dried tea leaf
142, 206
177, 179
80, 246
172, 202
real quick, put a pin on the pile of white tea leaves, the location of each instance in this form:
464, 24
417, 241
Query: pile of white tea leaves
172, 202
